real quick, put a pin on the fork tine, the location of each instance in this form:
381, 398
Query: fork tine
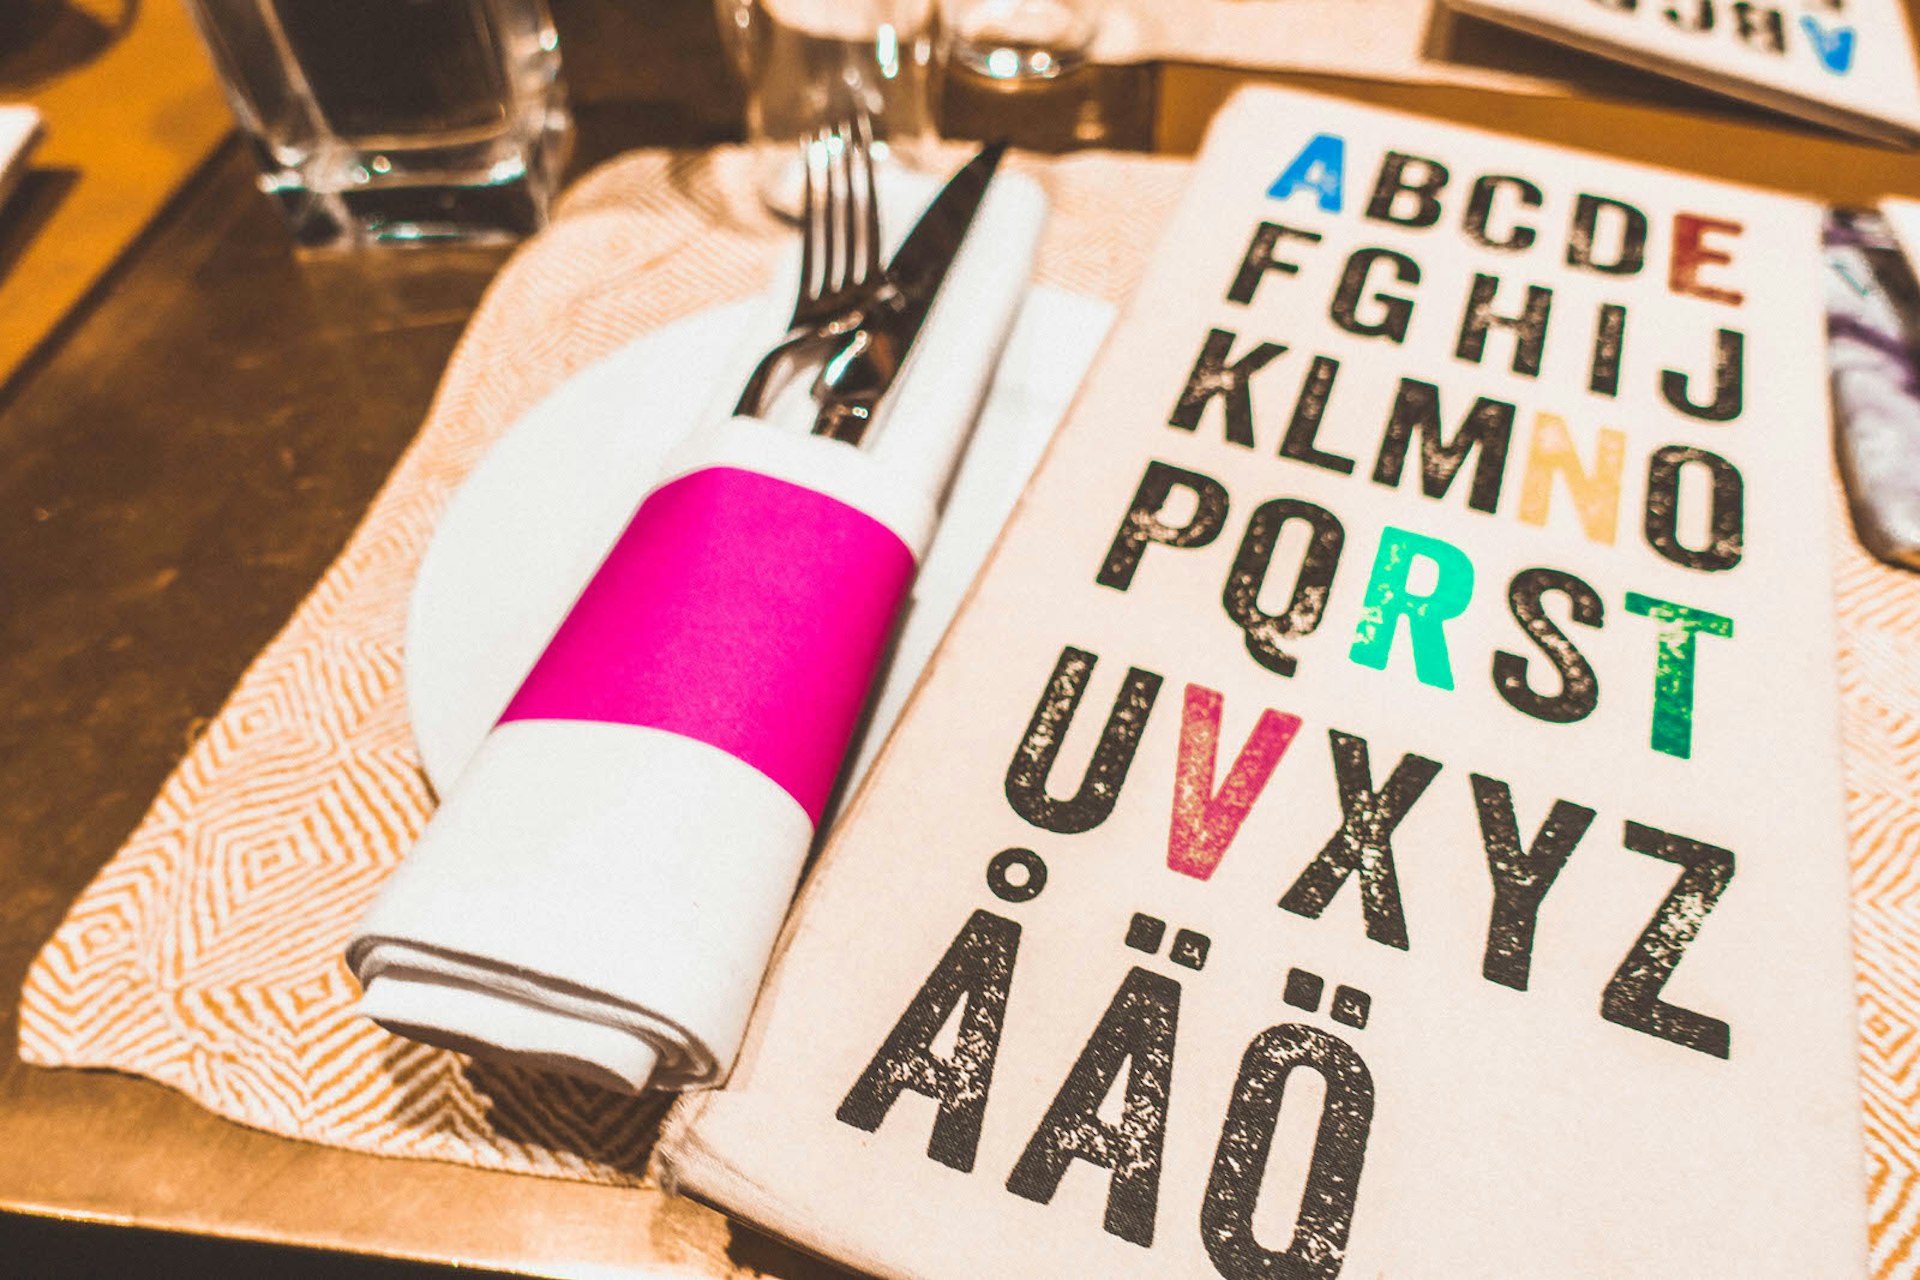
853, 155
810, 220
870, 262
829, 209
856, 206
834, 241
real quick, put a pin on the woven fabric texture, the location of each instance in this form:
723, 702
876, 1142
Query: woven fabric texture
207, 953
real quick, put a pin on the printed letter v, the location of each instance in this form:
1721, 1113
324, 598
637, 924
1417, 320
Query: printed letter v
1205, 821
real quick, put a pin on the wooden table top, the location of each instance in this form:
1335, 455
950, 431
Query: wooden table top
193, 448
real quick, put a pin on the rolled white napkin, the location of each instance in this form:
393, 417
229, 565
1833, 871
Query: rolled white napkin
602, 899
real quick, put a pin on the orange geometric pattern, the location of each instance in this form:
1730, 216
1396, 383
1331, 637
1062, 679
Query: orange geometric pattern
207, 954
1880, 736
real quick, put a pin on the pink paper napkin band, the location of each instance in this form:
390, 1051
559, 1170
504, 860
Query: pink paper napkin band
745, 612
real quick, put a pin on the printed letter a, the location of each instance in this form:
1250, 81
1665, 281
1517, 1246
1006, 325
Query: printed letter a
1321, 166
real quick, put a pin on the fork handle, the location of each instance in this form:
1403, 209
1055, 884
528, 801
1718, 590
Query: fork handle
753, 395
815, 338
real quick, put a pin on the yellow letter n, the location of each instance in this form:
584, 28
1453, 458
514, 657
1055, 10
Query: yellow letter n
1596, 493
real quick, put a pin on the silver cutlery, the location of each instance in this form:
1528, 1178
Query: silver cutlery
855, 377
839, 254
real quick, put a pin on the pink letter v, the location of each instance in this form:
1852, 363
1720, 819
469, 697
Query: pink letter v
1205, 822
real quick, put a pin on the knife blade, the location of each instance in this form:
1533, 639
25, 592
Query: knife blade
852, 382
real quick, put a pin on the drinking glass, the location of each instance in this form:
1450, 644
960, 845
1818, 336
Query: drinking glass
396, 121
1018, 40
808, 63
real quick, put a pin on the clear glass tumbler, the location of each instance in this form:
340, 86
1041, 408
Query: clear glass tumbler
808, 63
1019, 40
400, 121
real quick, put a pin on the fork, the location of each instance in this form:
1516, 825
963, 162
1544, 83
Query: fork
839, 252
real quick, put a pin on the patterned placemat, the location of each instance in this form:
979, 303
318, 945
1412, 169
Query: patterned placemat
206, 955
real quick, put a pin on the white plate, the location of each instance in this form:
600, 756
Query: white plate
527, 529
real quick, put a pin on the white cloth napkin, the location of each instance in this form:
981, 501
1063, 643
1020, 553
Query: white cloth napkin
579, 953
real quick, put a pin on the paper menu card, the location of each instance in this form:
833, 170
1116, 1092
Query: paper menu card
1379, 811
19, 130
1848, 64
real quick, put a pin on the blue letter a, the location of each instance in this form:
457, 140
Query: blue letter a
1835, 48
1321, 166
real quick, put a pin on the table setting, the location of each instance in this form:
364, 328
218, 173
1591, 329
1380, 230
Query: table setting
429, 894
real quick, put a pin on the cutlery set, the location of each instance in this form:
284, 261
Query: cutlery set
853, 319
839, 254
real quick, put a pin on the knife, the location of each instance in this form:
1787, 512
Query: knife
682, 731
851, 383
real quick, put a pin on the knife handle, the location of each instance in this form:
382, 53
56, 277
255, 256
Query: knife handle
748, 605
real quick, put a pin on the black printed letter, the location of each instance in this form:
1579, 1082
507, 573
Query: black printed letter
1529, 327
977, 968
1609, 343
1142, 523
1726, 513
1364, 842
1395, 312
1213, 376
1300, 441
1729, 373
1320, 1229
1488, 426
1760, 28
1264, 631
1106, 772
1628, 258
1632, 998
1260, 259
1393, 183
1521, 876
1579, 687
1480, 209
1137, 1029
